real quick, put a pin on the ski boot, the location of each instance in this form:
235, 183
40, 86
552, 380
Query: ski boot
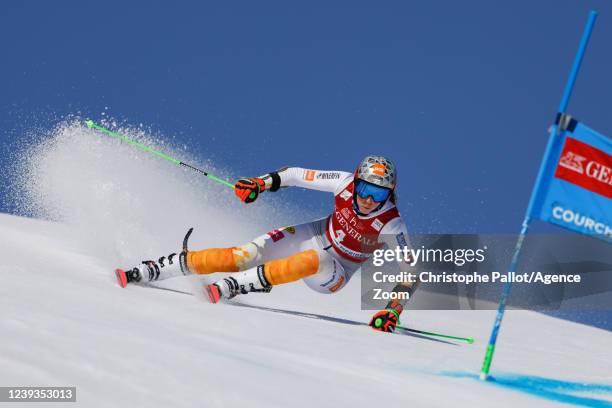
164, 268
252, 280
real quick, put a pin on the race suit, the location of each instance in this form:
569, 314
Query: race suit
332, 249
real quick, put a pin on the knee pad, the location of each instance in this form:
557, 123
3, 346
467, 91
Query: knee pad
246, 256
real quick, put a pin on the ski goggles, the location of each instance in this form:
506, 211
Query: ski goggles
364, 190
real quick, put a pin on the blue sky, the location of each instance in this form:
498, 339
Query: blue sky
459, 94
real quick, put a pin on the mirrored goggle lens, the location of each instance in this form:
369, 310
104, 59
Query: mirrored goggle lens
365, 190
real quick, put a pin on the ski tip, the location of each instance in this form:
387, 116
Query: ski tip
470, 340
214, 295
121, 277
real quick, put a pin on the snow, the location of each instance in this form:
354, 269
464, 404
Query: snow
65, 322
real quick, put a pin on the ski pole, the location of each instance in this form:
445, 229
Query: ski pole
468, 340
92, 125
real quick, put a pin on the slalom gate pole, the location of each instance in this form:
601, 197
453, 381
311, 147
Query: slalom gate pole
92, 125
468, 340
488, 358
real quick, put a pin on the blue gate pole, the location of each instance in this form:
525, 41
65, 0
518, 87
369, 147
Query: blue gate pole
486, 364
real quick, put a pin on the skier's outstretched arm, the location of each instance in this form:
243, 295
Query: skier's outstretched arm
395, 234
248, 189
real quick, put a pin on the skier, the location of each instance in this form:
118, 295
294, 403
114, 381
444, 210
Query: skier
324, 253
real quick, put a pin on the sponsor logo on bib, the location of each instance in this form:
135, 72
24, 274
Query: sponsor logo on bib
377, 225
345, 195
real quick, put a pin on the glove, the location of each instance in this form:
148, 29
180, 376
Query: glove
385, 320
248, 189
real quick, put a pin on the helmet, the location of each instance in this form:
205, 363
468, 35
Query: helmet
377, 170
375, 177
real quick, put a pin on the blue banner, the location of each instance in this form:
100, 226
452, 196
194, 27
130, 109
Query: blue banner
575, 190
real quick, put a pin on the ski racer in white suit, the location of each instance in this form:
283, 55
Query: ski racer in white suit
324, 253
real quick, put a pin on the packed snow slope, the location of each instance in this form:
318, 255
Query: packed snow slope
65, 322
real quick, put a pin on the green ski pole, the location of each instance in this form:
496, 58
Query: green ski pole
92, 125
468, 340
